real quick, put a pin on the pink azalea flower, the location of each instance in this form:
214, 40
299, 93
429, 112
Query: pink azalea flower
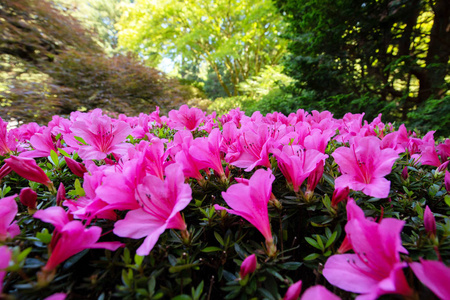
43, 144
397, 140
186, 118
353, 212
206, 151
118, 189
249, 200
248, 266
435, 275
5, 254
70, 237
375, 269
428, 154
92, 205
28, 169
254, 145
364, 166
297, 164
444, 150
161, 202
318, 292
103, 137
8, 212
293, 291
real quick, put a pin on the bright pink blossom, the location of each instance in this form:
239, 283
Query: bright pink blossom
444, 150
293, 291
102, 136
161, 202
28, 169
70, 237
252, 147
375, 269
43, 143
364, 166
297, 164
249, 200
435, 275
206, 151
248, 266
186, 118
8, 212
318, 292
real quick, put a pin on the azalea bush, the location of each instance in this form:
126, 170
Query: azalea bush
195, 206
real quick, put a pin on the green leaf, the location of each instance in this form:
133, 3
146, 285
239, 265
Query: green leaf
198, 291
176, 269
80, 140
78, 189
313, 243
331, 239
44, 236
182, 297
312, 256
293, 265
138, 260
54, 158
219, 238
212, 249
447, 200
63, 152
320, 242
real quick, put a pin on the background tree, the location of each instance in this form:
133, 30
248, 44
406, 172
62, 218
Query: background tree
374, 56
241, 36
99, 16
51, 65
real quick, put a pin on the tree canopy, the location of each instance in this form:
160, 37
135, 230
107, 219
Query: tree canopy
378, 56
241, 36
50, 64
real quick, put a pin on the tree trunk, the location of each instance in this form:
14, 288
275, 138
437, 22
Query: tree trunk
433, 79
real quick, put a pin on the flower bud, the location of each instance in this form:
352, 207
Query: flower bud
4, 170
443, 167
28, 169
405, 173
293, 291
429, 222
28, 197
61, 194
339, 194
77, 168
248, 266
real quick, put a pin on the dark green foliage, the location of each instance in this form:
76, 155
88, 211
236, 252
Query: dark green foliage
369, 56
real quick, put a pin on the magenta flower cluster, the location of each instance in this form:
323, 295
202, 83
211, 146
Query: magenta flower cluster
139, 181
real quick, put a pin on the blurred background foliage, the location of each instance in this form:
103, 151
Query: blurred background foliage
388, 56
